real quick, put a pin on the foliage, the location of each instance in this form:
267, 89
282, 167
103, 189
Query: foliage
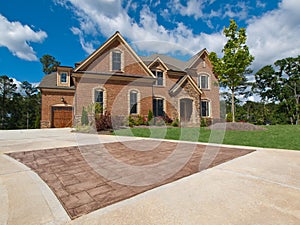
103, 121
229, 117
282, 85
84, 117
175, 123
275, 136
137, 120
49, 63
232, 67
19, 108
150, 117
167, 119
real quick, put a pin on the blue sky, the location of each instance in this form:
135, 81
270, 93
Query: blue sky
71, 29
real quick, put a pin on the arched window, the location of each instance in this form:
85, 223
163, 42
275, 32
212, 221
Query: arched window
99, 96
203, 81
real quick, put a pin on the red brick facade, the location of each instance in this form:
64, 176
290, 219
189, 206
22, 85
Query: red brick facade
95, 74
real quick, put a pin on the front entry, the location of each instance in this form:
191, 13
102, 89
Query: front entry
62, 117
186, 109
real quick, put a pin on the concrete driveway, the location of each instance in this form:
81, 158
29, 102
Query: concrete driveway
262, 187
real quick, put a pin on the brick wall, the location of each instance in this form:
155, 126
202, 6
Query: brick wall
50, 98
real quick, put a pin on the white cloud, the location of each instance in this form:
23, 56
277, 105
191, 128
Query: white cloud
276, 34
107, 17
16, 38
239, 10
192, 8
271, 36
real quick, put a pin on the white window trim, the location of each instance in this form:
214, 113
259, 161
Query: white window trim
60, 74
209, 108
122, 60
138, 101
104, 96
164, 77
208, 80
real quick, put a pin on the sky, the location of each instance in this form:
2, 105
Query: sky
70, 30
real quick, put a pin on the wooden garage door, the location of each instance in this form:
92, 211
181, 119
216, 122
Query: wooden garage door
62, 117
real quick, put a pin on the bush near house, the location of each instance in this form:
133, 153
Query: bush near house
103, 121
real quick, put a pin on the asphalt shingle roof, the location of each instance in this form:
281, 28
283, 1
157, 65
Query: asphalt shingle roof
49, 81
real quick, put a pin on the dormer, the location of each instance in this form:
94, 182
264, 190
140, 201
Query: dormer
64, 76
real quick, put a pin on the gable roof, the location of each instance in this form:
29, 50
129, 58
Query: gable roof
97, 52
172, 63
181, 82
194, 58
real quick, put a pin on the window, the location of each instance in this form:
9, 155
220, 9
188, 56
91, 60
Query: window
116, 61
133, 102
158, 107
99, 97
203, 81
205, 108
63, 78
160, 77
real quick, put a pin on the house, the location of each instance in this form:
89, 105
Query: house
127, 84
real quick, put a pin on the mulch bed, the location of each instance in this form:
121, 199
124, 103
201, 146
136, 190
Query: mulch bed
73, 172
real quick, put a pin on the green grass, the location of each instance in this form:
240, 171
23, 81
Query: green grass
277, 136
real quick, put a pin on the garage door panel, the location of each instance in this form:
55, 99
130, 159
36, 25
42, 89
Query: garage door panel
62, 117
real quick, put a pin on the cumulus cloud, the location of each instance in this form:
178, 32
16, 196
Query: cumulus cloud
106, 17
271, 36
16, 37
275, 35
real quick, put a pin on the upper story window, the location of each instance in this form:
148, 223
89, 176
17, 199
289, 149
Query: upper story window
116, 61
63, 77
205, 108
203, 81
133, 98
160, 77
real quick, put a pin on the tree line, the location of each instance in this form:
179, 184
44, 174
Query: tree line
20, 107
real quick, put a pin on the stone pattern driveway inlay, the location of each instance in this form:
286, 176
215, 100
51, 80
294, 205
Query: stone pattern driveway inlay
72, 172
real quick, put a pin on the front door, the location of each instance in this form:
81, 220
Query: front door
186, 109
62, 117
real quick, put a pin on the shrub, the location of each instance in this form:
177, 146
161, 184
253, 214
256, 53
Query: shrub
229, 117
175, 123
84, 117
150, 117
167, 119
103, 121
131, 121
203, 122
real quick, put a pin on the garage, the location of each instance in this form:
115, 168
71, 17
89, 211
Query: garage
62, 117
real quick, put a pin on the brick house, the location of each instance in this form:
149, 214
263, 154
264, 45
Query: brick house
127, 84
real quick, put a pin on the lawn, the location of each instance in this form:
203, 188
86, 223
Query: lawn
275, 136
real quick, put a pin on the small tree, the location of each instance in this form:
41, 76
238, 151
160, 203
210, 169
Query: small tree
232, 67
49, 63
84, 117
